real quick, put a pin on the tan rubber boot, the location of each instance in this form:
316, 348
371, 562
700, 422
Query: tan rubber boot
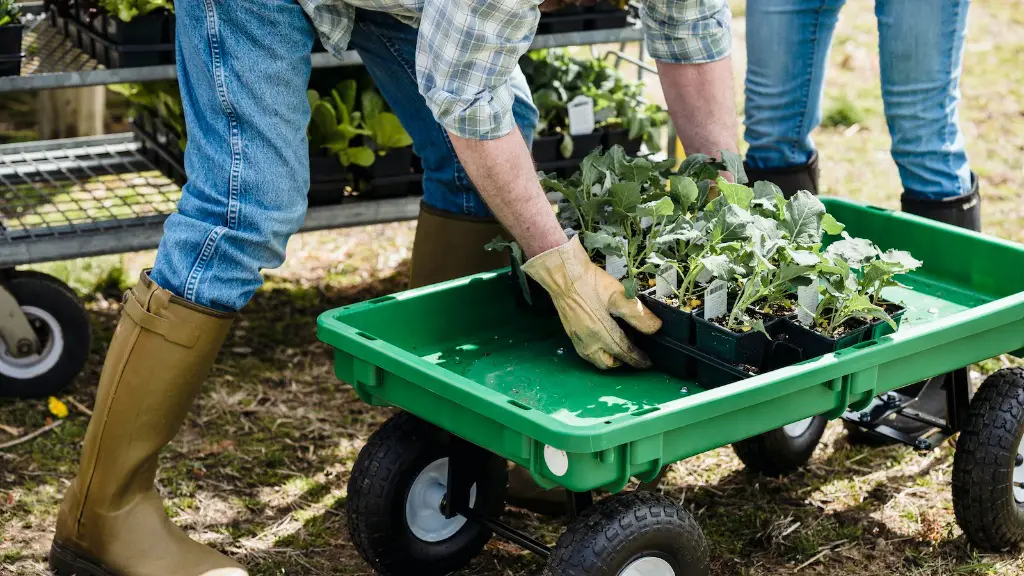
112, 520
449, 246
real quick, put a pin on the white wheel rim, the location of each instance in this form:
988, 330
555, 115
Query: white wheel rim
423, 505
648, 566
36, 364
798, 429
1018, 475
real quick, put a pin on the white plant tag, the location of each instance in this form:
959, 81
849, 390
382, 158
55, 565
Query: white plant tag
807, 297
616, 265
666, 282
704, 276
716, 300
581, 115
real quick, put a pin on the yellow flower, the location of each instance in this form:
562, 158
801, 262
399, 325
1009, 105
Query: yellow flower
57, 408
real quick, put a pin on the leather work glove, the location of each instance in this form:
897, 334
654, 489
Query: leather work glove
586, 298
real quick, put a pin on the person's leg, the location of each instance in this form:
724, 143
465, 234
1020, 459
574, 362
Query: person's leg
788, 44
454, 223
921, 52
243, 69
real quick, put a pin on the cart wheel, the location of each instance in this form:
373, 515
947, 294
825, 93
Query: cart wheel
988, 467
62, 325
395, 495
783, 450
631, 534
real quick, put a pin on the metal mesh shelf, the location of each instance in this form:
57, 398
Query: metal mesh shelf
51, 62
81, 197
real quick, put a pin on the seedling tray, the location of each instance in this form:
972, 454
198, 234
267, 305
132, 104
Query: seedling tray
465, 357
91, 39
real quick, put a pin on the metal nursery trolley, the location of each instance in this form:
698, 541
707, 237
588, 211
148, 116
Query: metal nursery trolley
482, 381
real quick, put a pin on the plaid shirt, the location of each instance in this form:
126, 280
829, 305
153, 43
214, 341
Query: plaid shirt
468, 48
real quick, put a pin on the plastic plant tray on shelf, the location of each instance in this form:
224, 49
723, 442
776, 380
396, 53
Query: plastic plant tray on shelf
464, 356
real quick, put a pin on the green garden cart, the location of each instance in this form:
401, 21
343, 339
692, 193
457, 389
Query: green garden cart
482, 382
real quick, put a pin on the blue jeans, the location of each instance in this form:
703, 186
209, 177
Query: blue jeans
243, 69
920, 48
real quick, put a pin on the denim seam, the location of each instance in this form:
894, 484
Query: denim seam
952, 67
205, 255
459, 180
234, 132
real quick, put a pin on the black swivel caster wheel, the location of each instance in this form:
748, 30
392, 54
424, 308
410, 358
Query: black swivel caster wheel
988, 467
783, 450
631, 534
395, 497
62, 326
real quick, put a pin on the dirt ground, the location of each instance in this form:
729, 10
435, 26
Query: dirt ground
260, 467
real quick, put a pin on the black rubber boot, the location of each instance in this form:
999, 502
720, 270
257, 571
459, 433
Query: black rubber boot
963, 211
791, 179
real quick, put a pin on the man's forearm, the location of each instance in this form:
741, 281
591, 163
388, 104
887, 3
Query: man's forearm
503, 172
701, 102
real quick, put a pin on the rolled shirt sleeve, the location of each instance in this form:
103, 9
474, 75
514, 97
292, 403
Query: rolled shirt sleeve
465, 55
687, 31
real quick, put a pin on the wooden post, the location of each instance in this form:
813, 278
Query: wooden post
70, 112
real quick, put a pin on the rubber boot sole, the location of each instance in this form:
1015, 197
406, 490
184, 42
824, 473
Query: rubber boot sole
65, 562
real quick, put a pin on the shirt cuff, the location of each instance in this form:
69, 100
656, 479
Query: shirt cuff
482, 116
687, 32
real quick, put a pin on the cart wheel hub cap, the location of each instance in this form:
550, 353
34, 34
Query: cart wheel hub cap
1018, 475
798, 429
648, 566
423, 505
35, 365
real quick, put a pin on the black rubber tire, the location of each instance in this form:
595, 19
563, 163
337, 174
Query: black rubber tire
986, 453
776, 453
53, 296
377, 490
624, 528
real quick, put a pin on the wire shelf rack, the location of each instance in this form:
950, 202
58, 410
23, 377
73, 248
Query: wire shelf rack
52, 62
80, 197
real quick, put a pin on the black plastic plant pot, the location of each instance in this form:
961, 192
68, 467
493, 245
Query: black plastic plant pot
143, 30
620, 137
881, 328
98, 23
736, 348
675, 323
585, 143
546, 148
606, 6
813, 344
683, 362
394, 162
560, 23
327, 180
608, 20
10, 66
10, 40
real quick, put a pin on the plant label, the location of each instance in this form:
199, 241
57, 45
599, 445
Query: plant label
666, 282
581, 115
807, 298
617, 265
716, 302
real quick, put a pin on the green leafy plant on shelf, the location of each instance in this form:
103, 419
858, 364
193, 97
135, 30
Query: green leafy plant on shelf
385, 130
126, 10
161, 100
692, 225
334, 123
10, 13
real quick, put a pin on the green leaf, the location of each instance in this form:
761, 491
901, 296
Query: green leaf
323, 117
856, 252
721, 267
683, 190
735, 194
359, 155
566, 146
630, 285
903, 258
625, 196
658, 209
733, 223
313, 97
604, 243
347, 90
372, 104
830, 225
764, 196
803, 216
734, 164
388, 132
691, 162
804, 257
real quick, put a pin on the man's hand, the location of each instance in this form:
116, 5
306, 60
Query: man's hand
586, 298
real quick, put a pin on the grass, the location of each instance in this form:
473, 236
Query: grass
260, 467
